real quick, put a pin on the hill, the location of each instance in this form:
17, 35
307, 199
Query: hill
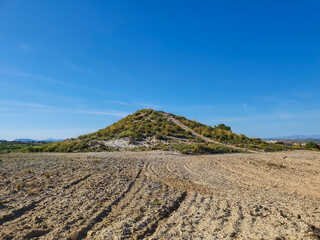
34, 140
148, 129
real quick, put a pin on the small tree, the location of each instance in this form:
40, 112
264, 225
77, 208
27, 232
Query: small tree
223, 127
132, 139
159, 136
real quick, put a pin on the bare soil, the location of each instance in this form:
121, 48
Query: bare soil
160, 195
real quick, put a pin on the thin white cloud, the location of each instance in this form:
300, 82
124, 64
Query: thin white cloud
82, 100
276, 99
246, 107
24, 47
209, 107
16, 73
81, 111
146, 105
33, 76
275, 116
117, 102
41, 134
88, 102
76, 67
23, 104
104, 113
45, 108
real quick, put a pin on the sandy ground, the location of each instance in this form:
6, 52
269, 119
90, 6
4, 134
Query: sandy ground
160, 195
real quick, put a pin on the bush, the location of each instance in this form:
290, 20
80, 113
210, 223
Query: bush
132, 139
159, 136
7, 147
312, 145
201, 148
223, 127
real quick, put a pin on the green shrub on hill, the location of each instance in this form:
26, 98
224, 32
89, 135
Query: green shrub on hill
223, 127
7, 147
312, 146
202, 148
68, 146
189, 148
223, 134
142, 124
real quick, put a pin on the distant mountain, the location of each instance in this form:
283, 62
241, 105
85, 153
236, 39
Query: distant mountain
33, 140
52, 140
147, 129
24, 140
296, 137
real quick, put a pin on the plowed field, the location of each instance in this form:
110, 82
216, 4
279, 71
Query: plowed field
160, 195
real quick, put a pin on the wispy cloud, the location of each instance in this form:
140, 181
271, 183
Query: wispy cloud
146, 105
56, 96
117, 102
214, 107
24, 47
277, 100
246, 107
95, 102
45, 108
91, 101
41, 134
76, 67
273, 116
23, 104
2, 109
31, 76
255, 118
16, 73
104, 113
82, 111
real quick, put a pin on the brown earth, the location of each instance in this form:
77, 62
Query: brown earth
160, 195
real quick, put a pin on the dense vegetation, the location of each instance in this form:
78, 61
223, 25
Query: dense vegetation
312, 146
68, 146
7, 147
194, 148
223, 134
142, 124
202, 148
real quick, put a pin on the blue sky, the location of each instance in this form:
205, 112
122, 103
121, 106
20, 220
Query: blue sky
73, 67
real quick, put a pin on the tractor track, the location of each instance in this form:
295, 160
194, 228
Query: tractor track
160, 195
